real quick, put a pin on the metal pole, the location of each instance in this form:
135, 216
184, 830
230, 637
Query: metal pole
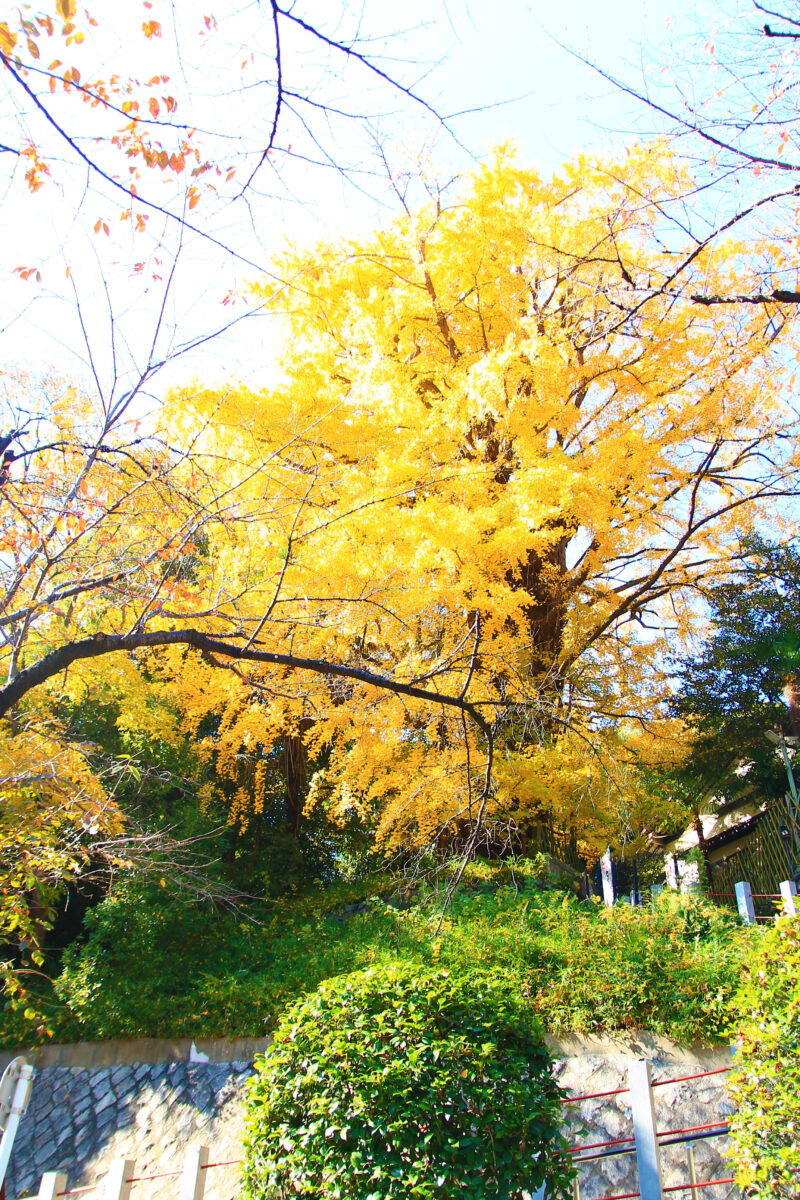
644, 1130
692, 1167
793, 807
790, 773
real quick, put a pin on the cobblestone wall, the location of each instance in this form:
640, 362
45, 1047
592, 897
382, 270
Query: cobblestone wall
678, 1106
82, 1117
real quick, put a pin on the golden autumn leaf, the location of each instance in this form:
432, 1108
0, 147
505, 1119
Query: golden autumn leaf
8, 40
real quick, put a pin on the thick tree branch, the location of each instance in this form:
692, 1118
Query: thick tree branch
109, 643
777, 296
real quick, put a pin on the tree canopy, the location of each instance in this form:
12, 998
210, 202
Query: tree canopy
442, 549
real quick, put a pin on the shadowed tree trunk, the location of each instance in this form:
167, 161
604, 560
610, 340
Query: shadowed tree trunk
294, 763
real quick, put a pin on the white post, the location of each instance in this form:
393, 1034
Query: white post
644, 1130
607, 876
118, 1179
193, 1179
744, 902
692, 1167
671, 872
19, 1102
789, 895
53, 1183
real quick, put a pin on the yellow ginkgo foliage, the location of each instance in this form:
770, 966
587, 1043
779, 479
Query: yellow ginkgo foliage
53, 809
506, 452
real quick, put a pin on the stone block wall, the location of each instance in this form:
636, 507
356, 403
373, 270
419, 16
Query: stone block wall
585, 1066
80, 1119
92, 1104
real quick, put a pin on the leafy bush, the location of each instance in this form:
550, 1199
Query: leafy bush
765, 1084
209, 973
405, 1082
671, 967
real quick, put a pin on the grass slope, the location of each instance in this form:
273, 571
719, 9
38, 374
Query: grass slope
152, 966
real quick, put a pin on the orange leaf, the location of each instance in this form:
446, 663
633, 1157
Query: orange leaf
66, 8
153, 106
194, 200
151, 29
8, 40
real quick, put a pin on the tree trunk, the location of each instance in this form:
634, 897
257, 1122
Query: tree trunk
294, 762
702, 845
792, 694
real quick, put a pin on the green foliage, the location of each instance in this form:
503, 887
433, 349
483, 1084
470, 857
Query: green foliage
733, 690
671, 967
208, 972
405, 1082
765, 1131
741, 672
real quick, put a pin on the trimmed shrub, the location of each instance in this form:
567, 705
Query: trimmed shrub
405, 1082
766, 1081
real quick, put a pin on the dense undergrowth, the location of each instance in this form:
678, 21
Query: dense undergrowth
152, 965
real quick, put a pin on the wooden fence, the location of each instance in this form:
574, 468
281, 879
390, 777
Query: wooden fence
770, 854
122, 1176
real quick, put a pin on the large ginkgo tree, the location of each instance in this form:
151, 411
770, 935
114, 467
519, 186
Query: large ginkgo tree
511, 454
441, 557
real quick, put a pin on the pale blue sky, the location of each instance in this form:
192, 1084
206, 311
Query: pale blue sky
498, 57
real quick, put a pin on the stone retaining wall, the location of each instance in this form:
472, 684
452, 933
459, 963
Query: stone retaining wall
94, 1103
80, 1119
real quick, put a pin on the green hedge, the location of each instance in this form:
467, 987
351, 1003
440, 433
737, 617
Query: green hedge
405, 1082
765, 1085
